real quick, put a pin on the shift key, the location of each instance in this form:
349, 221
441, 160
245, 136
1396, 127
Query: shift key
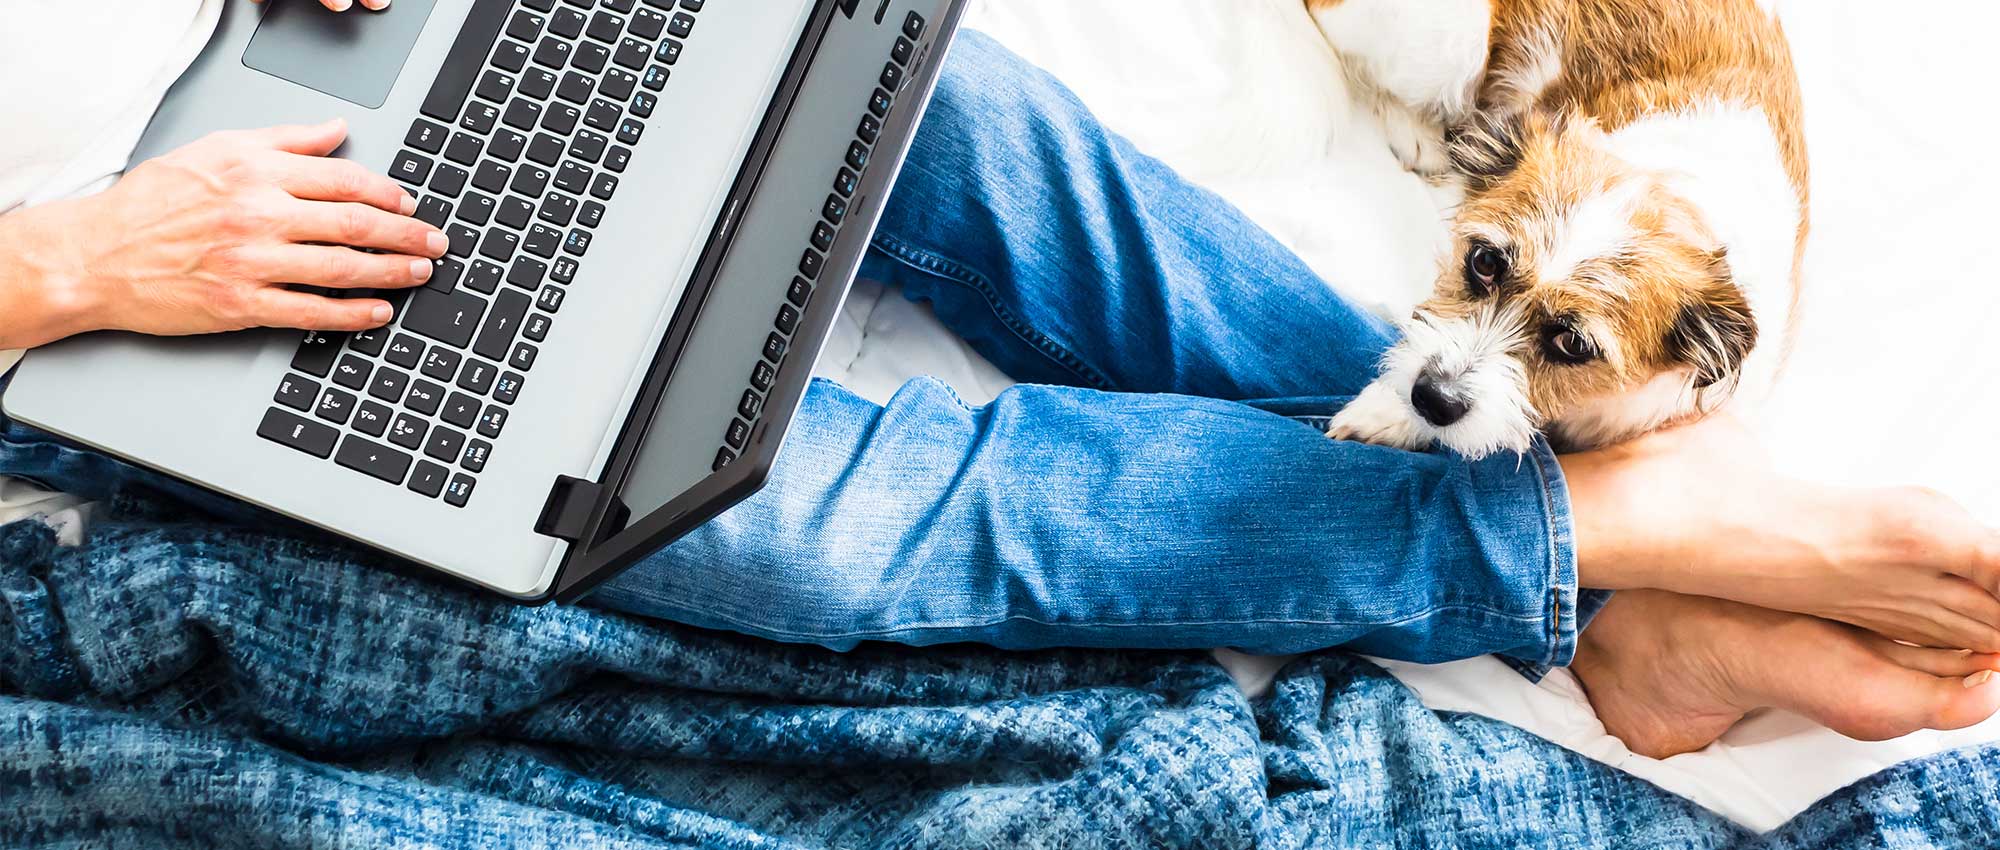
373, 458
448, 317
509, 308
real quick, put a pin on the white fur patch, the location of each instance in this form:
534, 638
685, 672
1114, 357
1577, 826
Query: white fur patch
1724, 159
1515, 86
1669, 396
1474, 356
1429, 54
1596, 227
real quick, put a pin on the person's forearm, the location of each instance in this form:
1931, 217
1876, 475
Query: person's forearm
43, 296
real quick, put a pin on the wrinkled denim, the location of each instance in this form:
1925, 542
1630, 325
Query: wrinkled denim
179, 683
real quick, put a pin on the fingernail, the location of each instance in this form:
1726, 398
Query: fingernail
342, 5
1979, 678
377, 5
438, 242
409, 204
383, 314
421, 270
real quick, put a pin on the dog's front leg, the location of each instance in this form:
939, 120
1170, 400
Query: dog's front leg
1379, 415
1423, 59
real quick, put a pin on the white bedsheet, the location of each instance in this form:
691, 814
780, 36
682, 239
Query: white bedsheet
1892, 381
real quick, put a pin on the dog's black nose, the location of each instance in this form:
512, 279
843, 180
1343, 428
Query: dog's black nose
1437, 405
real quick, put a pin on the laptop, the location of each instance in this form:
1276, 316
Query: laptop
655, 207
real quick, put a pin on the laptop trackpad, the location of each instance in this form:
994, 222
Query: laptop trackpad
353, 55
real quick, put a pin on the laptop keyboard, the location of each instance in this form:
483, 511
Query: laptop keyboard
516, 152
847, 177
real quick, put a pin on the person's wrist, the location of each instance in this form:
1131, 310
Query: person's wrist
51, 291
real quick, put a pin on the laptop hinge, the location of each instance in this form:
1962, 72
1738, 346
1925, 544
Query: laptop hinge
572, 507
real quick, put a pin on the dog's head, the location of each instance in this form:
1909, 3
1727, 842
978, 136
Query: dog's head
1581, 297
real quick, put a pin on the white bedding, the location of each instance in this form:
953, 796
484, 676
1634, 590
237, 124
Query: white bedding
1240, 95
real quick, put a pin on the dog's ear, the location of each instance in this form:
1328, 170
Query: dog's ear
1486, 147
1714, 333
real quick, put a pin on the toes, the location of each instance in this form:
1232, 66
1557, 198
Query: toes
1939, 662
1884, 701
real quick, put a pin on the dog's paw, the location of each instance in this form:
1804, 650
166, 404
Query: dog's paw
1417, 141
1377, 417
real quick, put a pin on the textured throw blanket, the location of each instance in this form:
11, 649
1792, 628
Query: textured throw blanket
176, 683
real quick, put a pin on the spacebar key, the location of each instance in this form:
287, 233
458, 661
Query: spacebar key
373, 458
467, 57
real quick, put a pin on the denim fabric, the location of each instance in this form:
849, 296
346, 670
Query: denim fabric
185, 684
1135, 493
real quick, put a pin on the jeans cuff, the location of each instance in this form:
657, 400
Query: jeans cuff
1569, 607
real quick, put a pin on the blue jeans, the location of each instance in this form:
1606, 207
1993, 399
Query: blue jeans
1161, 481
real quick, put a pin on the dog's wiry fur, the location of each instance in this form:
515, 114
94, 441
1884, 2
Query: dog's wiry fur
1638, 168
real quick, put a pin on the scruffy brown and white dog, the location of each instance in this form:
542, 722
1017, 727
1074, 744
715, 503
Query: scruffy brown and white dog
1627, 252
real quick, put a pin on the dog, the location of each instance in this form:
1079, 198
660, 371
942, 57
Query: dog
1627, 253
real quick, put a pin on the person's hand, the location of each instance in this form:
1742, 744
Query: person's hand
344, 5
205, 238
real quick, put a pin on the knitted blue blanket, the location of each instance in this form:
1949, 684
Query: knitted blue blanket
176, 683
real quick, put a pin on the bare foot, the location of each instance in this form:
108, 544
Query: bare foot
1699, 510
1669, 674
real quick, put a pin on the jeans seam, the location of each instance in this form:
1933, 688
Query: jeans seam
933, 264
1554, 558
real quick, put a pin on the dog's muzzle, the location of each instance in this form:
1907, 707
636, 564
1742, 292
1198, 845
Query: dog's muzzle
1438, 401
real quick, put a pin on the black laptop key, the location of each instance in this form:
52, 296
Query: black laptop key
632, 53
563, 270
425, 397
892, 76
483, 278
536, 328
527, 272
408, 431
577, 242
822, 236
552, 53
648, 24
879, 103
459, 491
762, 375
604, 186
507, 388
913, 25
389, 384
550, 301
499, 245
515, 213
475, 209
481, 117
477, 376
574, 88
900, 51
475, 455
870, 129
464, 240
774, 348
738, 434
365, 455
590, 56
492, 421
561, 119
844, 183
461, 64
587, 146
444, 444
445, 274
629, 131
558, 209
799, 291
369, 342
335, 406
539, 5
352, 372
680, 25
491, 177
668, 52
538, 83
788, 319
749, 405
406, 351
567, 23
602, 115
429, 479
857, 156
643, 105
511, 55
425, 136
291, 429
618, 158
522, 114
461, 410
542, 241
509, 307
412, 168
317, 352
617, 84
834, 210
449, 180
619, 5
723, 457
591, 214
525, 26
449, 318
605, 27
545, 149
523, 357
809, 264
371, 418
442, 364
495, 86
434, 211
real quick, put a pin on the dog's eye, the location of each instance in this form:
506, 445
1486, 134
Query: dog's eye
1564, 344
1485, 267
